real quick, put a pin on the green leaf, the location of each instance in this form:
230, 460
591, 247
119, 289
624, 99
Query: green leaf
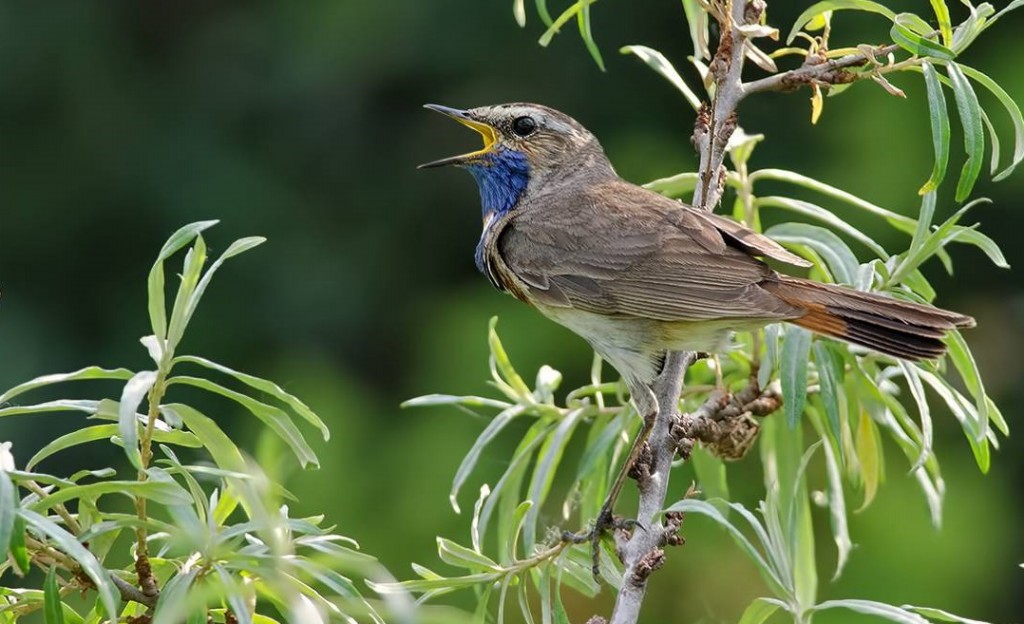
974, 25
62, 405
842, 264
870, 607
939, 614
52, 611
657, 61
509, 376
869, 457
191, 271
89, 372
165, 493
940, 125
263, 385
157, 304
760, 610
945, 26
837, 5
542, 11
549, 458
103, 432
974, 134
1011, 108
18, 550
821, 214
711, 477
562, 20
506, 491
225, 453
904, 35
8, 513
583, 19
237, 247
910, 372
275, 418
492, 429
837, 510
173, 603
796, 349
679, 185
831, 370
462, 557
128, 424
705, 508
67, 543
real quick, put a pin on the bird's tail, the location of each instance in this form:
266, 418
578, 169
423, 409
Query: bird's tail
899, 328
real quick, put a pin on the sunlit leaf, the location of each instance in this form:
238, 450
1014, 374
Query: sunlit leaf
89, 372
224, 452
8, 512
940, 615
1012, 109
263, 385
275, 418
870, 607
549, 458
583, 19
468, 463
940, 126
869, 456
128, 425
657, 61
67, 543
157, 305
841, 262
103, 432
760, 610
904, 35
836, 5
974, 134
796, 348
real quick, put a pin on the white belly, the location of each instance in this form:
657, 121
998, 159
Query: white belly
635, 346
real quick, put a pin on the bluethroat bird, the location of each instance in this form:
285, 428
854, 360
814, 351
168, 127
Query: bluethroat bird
637, 274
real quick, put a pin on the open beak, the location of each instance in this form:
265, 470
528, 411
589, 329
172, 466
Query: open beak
489, 134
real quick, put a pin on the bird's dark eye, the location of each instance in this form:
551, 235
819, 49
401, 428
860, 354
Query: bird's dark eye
524, 126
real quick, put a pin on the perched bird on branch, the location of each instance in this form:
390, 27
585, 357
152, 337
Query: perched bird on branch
637, 274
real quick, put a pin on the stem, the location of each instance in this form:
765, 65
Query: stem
643, 553
142, 566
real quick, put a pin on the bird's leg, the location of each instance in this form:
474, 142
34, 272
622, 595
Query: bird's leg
647, 405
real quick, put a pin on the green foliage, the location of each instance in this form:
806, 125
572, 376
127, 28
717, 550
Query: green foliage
847, 403
210, 535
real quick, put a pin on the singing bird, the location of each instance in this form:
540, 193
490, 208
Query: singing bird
637, 274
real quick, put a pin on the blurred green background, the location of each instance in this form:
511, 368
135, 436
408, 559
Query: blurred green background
301, 121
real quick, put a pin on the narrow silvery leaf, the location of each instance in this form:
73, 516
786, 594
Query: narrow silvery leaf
939, 116
760, 610
835, 5
8, 511
796, 348
132, 395
870, 607
974, 134
549, 458
1012, 109
657, 61
109, 596
492, 429
842, 264
157, 304
89, 372
940, 615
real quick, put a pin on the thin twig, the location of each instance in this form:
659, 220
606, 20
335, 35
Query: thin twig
827, 72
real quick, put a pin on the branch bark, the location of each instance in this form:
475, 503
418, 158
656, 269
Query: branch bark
642, 553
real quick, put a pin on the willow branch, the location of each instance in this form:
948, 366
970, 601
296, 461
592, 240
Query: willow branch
828, 72
643, 553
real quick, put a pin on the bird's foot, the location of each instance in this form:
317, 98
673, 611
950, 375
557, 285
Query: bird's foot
606, 521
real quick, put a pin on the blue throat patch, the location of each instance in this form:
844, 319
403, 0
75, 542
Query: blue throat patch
502, 176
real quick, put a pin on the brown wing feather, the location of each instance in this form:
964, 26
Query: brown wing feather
615, 248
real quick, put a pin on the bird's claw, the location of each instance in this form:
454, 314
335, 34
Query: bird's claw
604, 522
